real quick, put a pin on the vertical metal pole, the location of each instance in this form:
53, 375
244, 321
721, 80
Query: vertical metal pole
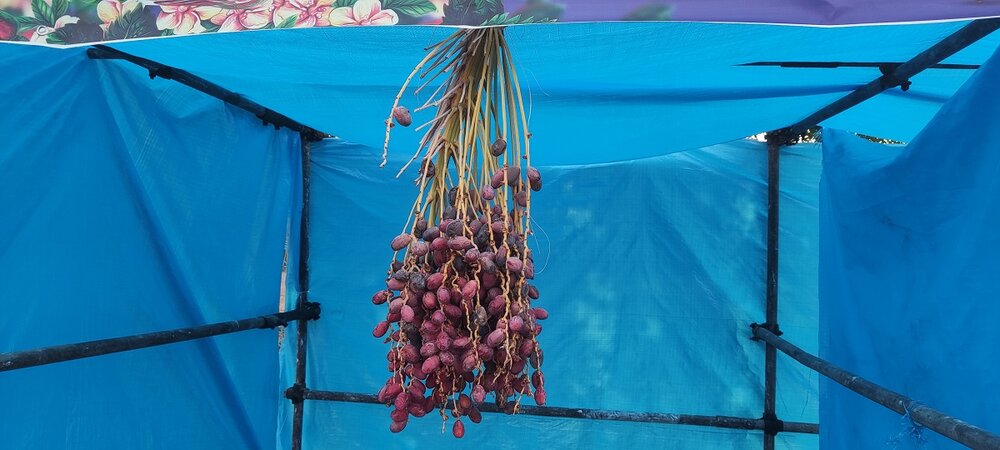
303, 325
770, 356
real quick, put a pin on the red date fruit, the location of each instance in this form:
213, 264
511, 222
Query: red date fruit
381, 297
429, 300
400, 242
540, 396
514, 264
495, 338
430, 364
498, 147
380, 329
538, 379
402, 116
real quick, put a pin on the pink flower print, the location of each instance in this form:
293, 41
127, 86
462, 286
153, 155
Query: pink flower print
307, 13
244, 19
111, 10
17, 6
185, 19
7, 30
436, 17
364, 12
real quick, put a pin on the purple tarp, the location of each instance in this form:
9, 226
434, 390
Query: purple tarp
809, 12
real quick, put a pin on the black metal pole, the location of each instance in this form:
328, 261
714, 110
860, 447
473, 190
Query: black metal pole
156, 69
839, 64
59, 353
950, 427
595, 414
900, 76
771, 289
294, 393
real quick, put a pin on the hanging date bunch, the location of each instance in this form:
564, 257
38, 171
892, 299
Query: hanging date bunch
460, 321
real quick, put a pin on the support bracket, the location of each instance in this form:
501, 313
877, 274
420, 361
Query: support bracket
772, 327
772, 425
296, 393
889, 79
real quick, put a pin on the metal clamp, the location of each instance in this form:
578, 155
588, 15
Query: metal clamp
772, 327
888, 80
772, 425
296, 393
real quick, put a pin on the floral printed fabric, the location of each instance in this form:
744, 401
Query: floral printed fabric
81, 21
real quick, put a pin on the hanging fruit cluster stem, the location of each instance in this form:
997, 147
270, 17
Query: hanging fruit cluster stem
460, 315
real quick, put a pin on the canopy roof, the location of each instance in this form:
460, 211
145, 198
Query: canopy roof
620, 90
598, 91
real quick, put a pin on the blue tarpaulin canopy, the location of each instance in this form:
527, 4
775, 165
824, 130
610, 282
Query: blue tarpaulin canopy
598, 92
135, 205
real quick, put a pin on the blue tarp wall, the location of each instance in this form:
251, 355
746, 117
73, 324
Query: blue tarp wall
131, 207
652, 271
910, 257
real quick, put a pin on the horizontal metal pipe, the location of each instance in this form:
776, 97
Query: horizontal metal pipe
595, 414
950, 45
950, 427
59, 353
268, 116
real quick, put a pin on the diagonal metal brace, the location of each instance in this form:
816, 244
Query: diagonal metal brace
155, 69
59, 353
